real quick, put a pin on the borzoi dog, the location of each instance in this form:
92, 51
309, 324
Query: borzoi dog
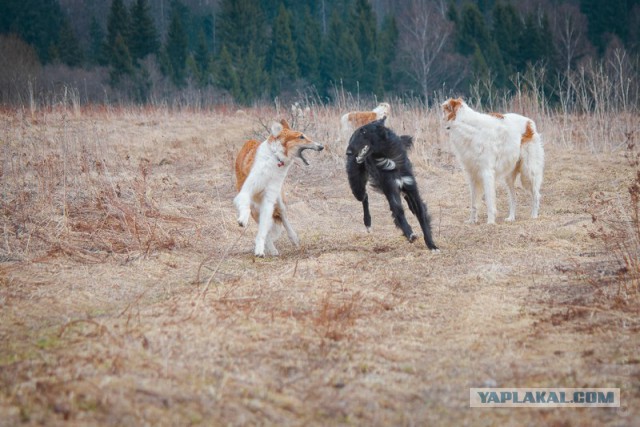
355, 119
379, 156
260, 172
495, 146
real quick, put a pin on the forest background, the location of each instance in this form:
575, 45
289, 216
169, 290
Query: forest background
201, 53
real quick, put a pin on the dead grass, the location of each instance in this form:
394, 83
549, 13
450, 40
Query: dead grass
128, 295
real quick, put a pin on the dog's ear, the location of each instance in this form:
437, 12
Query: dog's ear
276, 128
284, 124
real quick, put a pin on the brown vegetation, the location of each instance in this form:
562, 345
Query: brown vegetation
129, 295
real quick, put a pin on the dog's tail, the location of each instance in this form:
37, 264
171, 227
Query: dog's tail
407, 142
532, 164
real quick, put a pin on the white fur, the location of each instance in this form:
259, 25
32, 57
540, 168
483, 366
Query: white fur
490, 149
262, 190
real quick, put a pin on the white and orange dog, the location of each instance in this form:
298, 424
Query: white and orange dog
495, 146
260, 172
355, 119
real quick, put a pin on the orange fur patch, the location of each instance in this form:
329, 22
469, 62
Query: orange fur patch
451, 108
244, 161
497, 115
527, 136
361, 118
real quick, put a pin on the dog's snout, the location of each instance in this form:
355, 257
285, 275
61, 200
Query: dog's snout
320, 147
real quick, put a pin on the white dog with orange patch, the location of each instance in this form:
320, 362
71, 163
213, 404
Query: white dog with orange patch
349, 122
495, 146
260, 172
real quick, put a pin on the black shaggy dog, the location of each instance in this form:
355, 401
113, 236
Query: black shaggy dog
379, 156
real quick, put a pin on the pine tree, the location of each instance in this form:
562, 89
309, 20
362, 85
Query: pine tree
309, 47
283, 62
68, 47
143, 36
387, 48
97, 54
226, 75
471, 30
365, 36
242, 31
118, 24
507, 29
176, 47
201, 60
121, 63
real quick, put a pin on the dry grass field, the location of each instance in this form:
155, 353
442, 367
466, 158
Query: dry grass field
130, 296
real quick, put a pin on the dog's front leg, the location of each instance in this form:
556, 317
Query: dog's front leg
489, 184
243, 206
265, 223
475, 189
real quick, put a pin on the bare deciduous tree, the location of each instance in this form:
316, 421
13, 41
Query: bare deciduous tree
424, 35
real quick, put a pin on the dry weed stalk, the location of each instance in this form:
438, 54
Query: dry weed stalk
618, 230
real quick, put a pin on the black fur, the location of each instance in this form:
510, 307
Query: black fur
383, 164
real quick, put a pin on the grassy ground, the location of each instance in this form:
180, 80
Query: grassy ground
129, 296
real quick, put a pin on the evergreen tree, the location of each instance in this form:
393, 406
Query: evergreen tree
282, 57
226, 75
387, 48
96, 47
143, 36
121, 63
605, 18
176, 47
118, 24
471, 30
241, 28
69, 50
507, 29
365, 36
309, 48
37, 22
202, 60
330, 63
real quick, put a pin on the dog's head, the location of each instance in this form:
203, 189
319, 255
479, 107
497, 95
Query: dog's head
450, 109
382, 110
291, 143
364, 140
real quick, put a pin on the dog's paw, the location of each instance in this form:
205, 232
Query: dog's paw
471, 221
259, 254
510, 219
243, 220
413, 238
369, 229
435, 251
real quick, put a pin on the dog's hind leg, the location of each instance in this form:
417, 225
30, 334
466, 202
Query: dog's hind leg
272, 236
419, 209
287, 225
511, 192
390, 190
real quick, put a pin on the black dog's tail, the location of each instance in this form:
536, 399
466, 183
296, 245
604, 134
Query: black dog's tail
407, 142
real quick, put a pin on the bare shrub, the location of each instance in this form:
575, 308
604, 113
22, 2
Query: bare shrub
617, 230
16, 81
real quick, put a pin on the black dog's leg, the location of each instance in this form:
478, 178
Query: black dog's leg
419, 209
358, 181
390, 189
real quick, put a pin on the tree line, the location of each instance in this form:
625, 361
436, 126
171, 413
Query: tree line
259, 49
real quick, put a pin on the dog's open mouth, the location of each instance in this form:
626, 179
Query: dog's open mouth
314, 148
